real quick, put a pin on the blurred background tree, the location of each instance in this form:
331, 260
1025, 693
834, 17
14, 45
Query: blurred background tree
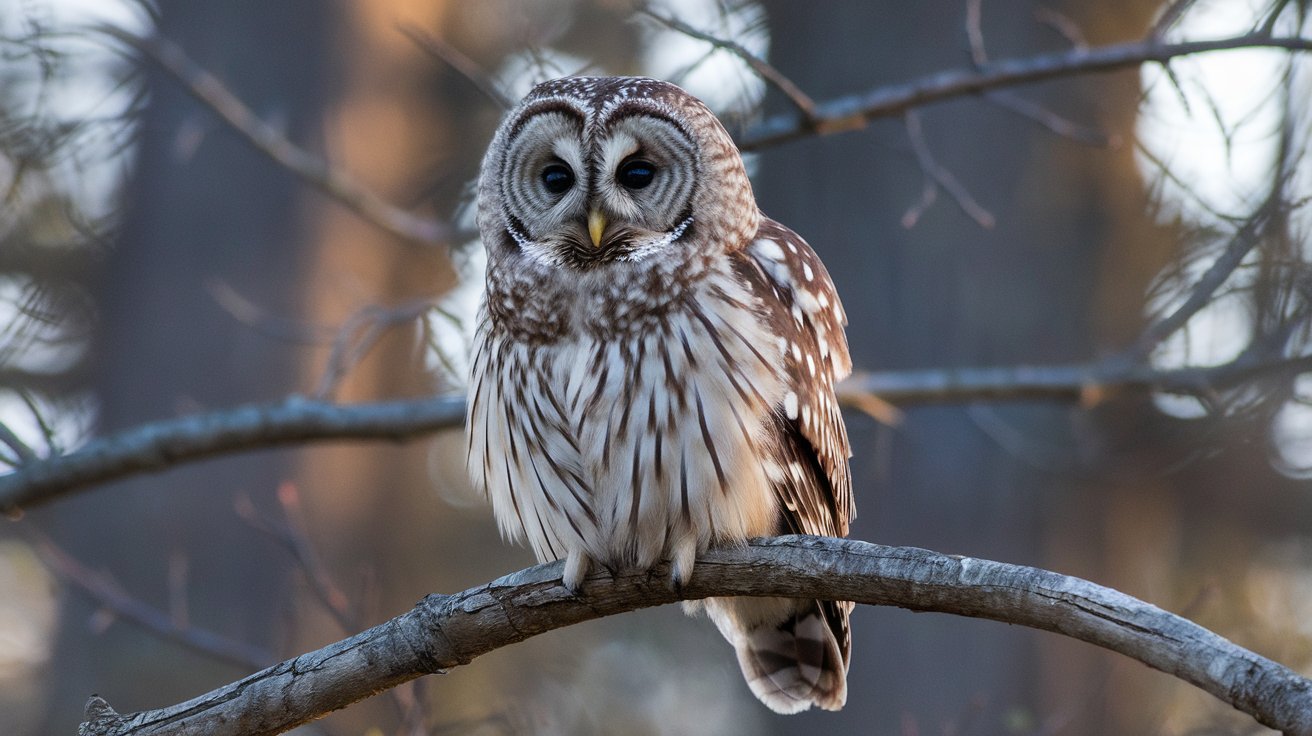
154, 264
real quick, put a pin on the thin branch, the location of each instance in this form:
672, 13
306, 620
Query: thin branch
161, 445
359, 334
292, 536
1084, 382
454, 58
1169, 17
1050, 120
211, 92
8, 438
975, 32
1244, 241
801, 100
1064, 25
444, 631
941, 177
263, 321
852, 112
109, 595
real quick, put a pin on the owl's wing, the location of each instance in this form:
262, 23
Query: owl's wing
815, 492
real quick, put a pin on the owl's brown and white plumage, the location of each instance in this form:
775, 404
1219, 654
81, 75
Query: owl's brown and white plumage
654, 367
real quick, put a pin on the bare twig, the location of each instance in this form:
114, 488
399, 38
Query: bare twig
22, 452
1051, 120
802, 101
453, 57
941, 177
443, 632
975, 32
161, 445
852, 112
339, 185
293, 537
1017, 104
109, 595
358, 336
1169, 17
1062, 23
264, 322
1245, 239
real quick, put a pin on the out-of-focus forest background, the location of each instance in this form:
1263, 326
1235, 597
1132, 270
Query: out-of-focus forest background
155, 264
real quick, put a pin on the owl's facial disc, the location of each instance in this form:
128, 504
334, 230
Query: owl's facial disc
621, 191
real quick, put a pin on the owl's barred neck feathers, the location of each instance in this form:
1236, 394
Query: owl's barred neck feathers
654, 368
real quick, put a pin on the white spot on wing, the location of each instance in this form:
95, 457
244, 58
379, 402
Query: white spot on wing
807, 300
790, 405
767, 248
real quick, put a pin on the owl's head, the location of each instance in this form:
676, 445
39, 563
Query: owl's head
590, 171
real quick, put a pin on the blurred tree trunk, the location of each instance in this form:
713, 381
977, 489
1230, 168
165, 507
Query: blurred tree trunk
995, 481
203, 209
374, 512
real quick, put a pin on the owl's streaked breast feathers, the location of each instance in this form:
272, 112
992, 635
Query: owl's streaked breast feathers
654, 368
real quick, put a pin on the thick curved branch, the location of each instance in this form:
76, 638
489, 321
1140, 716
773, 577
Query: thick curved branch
162, 445
444, 631
852, 112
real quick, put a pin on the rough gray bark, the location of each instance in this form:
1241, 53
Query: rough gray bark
444, 631
160, 445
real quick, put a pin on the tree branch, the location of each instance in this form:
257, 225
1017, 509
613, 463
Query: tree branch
445, 631
800, 100
1077, 381
161, 445
109, 595
852, 112
339, 185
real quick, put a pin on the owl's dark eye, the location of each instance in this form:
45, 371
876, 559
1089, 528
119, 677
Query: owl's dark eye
557, 178
635, 174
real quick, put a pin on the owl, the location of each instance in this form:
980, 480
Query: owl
653, 370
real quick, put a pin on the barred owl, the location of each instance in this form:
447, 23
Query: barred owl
654, 366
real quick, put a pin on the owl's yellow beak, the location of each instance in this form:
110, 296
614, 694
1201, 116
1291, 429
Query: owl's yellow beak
596, 226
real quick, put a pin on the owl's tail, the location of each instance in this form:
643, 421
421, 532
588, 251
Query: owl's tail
793, 653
